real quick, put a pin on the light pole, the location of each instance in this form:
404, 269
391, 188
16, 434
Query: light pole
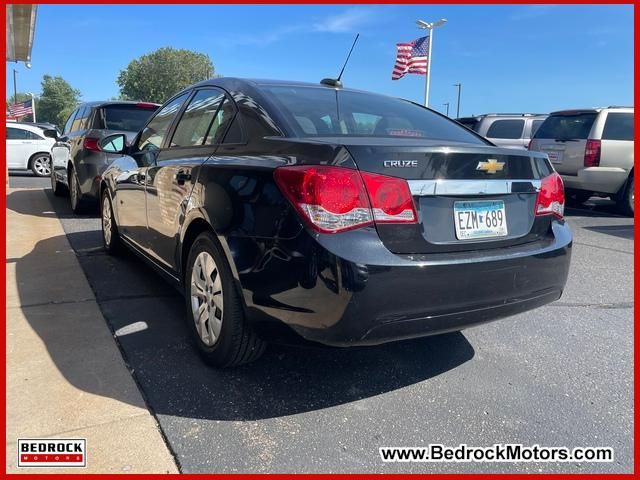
459, 85
33, 106
446, 105
429, 26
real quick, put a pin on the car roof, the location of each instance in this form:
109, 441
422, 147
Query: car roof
24, 126
577, 111
104, 103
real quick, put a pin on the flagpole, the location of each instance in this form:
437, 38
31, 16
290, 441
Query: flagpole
430, 26
428, 82
33, 108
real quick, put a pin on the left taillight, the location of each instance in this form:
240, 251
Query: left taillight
336, 199
550, 200
91, 144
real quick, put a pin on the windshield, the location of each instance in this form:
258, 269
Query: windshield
315, 112
129, 118
567, 126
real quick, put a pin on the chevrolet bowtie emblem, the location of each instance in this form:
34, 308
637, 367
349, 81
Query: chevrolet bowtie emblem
490, 166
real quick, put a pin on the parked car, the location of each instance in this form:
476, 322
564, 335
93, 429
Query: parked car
78, 161
50, 130
28, 149
353, 218
509, 130
593, 151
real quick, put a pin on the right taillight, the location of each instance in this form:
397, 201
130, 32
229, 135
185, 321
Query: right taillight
335, 199
550, 200
592, 153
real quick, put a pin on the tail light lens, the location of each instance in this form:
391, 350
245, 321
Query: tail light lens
592, 153
336, 199
91, 144
551, 196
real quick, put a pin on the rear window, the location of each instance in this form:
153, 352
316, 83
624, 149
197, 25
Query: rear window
470, 123
314, 112
506, 129
535, 125
567, 126
128, 118
618, 126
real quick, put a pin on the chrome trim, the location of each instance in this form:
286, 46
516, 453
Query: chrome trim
421, 188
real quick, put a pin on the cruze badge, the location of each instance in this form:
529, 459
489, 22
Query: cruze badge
400, 163
490, 166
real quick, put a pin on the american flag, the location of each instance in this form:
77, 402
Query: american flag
21, 109
411, 58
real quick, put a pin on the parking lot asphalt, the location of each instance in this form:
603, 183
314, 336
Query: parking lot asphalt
561, 375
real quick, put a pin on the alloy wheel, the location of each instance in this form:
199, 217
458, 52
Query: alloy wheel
206, 298
42, 166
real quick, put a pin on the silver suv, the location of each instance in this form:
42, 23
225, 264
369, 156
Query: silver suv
593, 151
509, 130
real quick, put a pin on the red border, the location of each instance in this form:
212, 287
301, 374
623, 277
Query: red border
362, 476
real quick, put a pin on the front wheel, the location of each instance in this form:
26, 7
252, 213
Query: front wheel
110, 235
58, 188
41, 165
214, 308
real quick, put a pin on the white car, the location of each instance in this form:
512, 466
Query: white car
28, 149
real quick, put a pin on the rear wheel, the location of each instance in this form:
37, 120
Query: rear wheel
214, 309
110, 235
75, 194
625, 203
41, 165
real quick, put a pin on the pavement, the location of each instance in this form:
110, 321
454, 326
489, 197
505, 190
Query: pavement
66, 377
561, 375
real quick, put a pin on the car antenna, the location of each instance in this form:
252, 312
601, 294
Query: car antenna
335, 82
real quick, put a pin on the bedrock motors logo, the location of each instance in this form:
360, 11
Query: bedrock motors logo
52, 452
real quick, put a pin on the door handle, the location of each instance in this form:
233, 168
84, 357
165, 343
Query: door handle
182, 177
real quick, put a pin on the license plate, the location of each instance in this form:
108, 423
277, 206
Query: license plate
482, 219
554, 156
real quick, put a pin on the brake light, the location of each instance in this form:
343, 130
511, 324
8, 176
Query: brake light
592, 153
529, 144
147, 105
551, 196
336, 199
91, 144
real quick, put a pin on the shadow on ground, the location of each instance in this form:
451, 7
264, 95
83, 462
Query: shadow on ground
288, 379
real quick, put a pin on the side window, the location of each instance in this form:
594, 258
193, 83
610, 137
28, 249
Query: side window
535, 125
197, 119
506, 129
67, 126
15, 134
32, 136
223, 119
77, 122
618, 126
154, 132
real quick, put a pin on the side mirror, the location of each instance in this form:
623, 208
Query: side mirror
116, 143
51, 134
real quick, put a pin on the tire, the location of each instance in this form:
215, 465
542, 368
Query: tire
41, 165
577, 197
110, 236
625, 203
58, 189
223, 338
78, 205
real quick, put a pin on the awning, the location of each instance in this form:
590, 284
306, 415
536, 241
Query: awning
21, 25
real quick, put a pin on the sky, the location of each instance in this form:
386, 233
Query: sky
509, 58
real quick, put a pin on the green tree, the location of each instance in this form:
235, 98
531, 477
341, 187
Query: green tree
57, 100
156, 76
23, 97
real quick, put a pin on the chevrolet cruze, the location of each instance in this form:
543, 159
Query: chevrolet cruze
349, 217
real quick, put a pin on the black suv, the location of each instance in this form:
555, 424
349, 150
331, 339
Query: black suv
77, 159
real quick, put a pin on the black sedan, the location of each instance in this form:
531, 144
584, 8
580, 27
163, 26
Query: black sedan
351, 218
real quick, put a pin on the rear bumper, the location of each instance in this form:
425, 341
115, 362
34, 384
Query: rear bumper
597, 179
353, 291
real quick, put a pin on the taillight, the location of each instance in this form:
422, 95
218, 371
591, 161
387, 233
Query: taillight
529, 144
91, 144
592, 153
335, 199
551, 196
